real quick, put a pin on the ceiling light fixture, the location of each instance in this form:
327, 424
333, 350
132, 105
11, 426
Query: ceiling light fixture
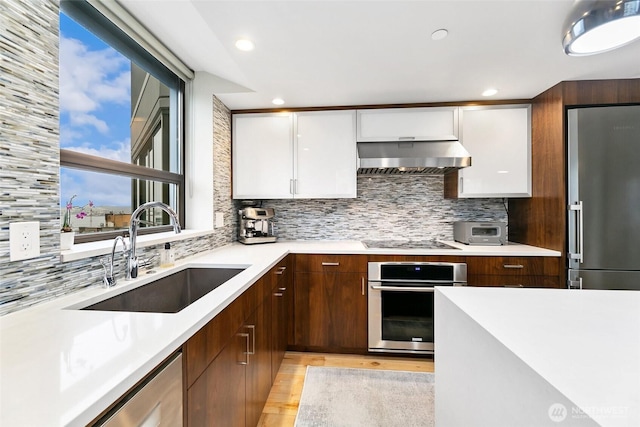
599, 26
439, 34
278, 101
489, 92
245, 45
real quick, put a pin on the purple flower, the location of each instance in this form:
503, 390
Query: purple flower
81, 215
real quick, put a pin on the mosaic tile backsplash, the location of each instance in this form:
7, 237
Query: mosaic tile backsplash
388, 207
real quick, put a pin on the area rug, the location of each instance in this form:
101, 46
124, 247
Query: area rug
346, 397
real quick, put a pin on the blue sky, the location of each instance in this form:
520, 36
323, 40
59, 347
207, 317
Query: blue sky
95, 113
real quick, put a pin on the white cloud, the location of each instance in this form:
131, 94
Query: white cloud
80, 119
88, 79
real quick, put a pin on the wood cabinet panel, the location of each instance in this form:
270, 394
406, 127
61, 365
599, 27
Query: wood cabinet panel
514, 266
515, 281
258, 370
217, 398
513, 271
203, 347
331, 263
330, 311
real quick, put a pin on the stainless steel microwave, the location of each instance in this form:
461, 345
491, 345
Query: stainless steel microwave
480, 233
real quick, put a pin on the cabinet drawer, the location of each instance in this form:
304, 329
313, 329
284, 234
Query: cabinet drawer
331, 263
514, 281
513, 266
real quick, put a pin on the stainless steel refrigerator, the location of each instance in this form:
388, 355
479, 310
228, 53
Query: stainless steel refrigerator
604, 197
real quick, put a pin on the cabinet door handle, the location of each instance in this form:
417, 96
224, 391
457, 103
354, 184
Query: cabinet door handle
252, 329
295, 186
513, 286
330, 263
291, 186
278, 294
280, 272
460, 187
362, 284
282, 268
406, 138
513, 266
282, 289
246, 353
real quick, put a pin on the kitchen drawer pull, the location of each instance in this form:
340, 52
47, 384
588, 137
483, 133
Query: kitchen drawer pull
252, 328
513, 286
278, 294
282, 268
280, 272
282, 289
246, 353
330, 263
513, 266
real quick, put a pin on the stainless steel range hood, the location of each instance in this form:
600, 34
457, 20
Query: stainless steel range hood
417, 157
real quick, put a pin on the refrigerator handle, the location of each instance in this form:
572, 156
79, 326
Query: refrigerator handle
574, 284
579, 244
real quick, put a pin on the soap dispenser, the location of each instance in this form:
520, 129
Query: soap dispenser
167, 257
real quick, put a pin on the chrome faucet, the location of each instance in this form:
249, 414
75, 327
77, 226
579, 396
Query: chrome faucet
132, 264
109, 279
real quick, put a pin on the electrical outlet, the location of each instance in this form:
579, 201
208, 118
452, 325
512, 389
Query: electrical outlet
219, 219
24, 240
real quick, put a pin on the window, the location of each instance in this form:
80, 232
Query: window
121, 136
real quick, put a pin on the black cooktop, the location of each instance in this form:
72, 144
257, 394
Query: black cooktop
406, 244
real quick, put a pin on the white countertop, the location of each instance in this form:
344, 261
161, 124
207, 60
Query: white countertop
61, 366
586, 343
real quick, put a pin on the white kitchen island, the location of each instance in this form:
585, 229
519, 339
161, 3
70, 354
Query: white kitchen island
537, 357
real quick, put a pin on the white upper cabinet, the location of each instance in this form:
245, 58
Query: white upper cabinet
262, 155
498, 137
326, 156
408, 124
294, 155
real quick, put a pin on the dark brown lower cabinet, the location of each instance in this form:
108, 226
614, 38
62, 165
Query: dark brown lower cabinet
331, 311
258, 368
217, 398
229, 375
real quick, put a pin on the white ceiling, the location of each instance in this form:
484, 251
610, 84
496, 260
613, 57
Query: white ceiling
359, 52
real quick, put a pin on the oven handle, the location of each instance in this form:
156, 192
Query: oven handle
431, 282
402, 289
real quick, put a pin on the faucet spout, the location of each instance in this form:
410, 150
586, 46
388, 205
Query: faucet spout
132, 264
109, 279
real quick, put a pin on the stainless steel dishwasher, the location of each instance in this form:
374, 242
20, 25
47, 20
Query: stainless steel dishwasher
155, 403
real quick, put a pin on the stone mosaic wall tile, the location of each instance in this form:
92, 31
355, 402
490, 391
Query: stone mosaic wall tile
387, 207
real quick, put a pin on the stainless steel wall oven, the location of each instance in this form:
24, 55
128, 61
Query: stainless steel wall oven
401, 297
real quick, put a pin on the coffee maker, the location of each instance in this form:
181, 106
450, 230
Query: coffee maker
256, 225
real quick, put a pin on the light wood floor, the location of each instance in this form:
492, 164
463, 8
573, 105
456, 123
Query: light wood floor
282, 405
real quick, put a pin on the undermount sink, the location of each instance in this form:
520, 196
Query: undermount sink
169, 294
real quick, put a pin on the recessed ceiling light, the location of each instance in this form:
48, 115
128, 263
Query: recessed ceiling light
490, 92
278, 101
439, 34
245, 45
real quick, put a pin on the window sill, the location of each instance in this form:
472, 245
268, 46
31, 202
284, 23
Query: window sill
103, 247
